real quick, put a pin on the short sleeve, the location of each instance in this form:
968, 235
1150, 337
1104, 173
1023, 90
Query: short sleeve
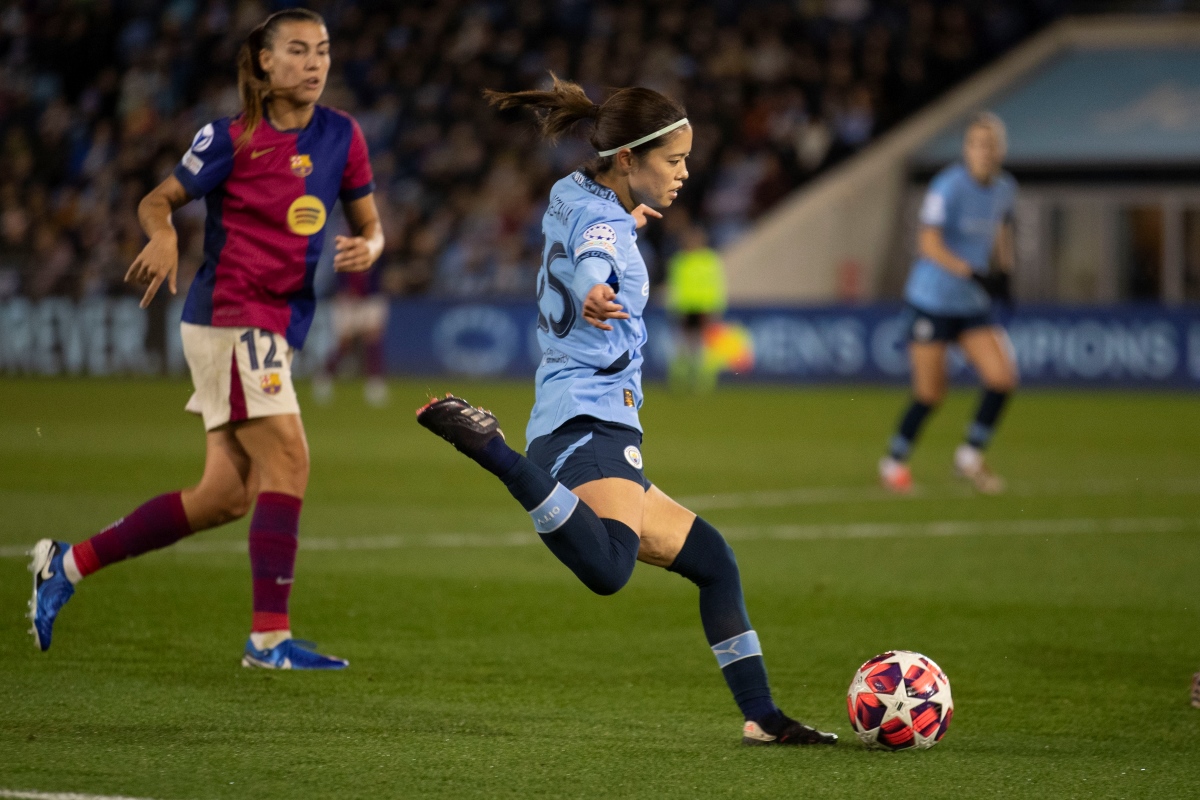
357, 179
208, 162
596, 253
937, 201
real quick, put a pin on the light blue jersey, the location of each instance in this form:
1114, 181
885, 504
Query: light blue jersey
968, 213
590, 239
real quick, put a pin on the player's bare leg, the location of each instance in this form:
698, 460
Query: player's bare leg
929, 386
990, 352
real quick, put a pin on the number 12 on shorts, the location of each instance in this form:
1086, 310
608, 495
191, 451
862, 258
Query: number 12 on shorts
252, 350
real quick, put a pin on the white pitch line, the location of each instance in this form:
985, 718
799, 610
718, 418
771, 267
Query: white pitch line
854, 530
822, 495
62, 796
1028, 527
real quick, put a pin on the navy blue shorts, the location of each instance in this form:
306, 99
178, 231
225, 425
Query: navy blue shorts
586, 449
925, 327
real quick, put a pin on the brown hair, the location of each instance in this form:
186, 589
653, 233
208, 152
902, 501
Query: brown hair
254, 85
626, 116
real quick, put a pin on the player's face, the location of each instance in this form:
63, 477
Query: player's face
298, 61
983, 151
657, 177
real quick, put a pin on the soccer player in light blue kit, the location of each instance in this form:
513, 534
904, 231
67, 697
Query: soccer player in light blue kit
966, 228
582, 480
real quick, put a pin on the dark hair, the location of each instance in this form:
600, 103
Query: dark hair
626, 116
254, 85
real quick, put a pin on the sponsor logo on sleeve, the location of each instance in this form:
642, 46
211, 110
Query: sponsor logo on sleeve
192, 163
601, 232
933, 209
204, 138
599, 237
302, 165
306, 215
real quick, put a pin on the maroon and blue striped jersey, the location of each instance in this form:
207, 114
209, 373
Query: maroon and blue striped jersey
268, 202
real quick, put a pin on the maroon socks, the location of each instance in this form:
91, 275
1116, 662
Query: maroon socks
155, 524
274, 537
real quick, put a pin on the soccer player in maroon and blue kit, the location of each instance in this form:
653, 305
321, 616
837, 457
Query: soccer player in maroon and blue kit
268, 177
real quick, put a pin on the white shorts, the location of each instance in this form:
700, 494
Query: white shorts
356, 316
238, 373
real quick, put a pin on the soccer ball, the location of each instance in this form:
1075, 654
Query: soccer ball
900, 700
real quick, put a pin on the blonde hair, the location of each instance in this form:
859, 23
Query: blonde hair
988, 119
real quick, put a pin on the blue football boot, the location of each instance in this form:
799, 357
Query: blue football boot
51, 588
290, 654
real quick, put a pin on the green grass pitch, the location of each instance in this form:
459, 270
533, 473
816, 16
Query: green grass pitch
1066, 613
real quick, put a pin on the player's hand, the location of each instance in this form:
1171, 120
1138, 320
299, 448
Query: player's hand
158, 261
353, 254
599, 306
641, 213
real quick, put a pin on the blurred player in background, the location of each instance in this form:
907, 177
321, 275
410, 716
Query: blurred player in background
965, 259
696, 298
359, 311
582, 482
268, 176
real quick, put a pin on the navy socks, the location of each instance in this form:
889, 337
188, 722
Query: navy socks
707, 561
601, 552
990, 406
910, 427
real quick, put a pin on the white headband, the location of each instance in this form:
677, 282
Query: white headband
644, 139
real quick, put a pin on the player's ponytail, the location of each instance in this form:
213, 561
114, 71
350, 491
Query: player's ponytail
254, 85
625, 117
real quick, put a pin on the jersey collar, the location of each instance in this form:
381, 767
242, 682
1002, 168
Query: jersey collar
590, 185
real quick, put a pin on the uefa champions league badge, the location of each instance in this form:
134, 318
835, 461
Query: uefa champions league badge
633, 456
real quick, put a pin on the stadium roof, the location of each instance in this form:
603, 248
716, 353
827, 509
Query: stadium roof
1097, 108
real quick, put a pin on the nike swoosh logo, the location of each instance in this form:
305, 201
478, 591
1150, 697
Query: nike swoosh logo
258, 153
46, 574
283, 581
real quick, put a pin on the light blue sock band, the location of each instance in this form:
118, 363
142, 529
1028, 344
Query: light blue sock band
978, 435
736, 648
554, 510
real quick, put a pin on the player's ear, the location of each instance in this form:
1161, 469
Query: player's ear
625, 159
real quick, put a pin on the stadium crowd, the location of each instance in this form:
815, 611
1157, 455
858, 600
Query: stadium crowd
99, 99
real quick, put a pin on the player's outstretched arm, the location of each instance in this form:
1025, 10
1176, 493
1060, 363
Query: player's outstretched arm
357, 253
159, 259
599, 306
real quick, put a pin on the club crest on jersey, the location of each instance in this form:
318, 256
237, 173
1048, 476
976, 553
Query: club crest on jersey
633, 456
302, 166
306, 215
271, 384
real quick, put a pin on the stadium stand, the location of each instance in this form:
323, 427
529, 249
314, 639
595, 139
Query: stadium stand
98, 100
